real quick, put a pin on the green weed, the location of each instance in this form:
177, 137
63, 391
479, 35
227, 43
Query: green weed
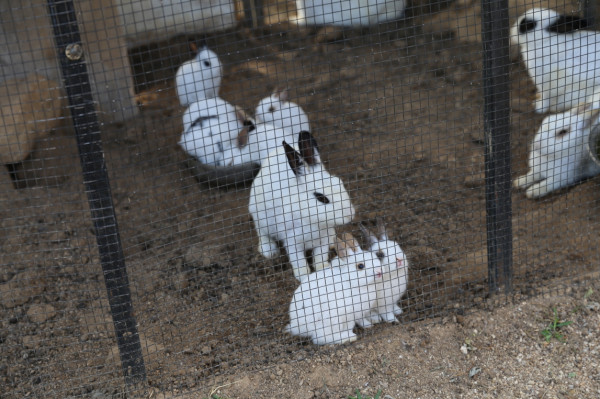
554, 327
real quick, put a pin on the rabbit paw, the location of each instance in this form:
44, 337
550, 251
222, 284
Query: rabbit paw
397, 310
365, 323
389, 317
539, 190
267, 247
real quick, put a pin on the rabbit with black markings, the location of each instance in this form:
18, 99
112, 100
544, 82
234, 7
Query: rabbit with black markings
199, 77
560, 55
559, 156
395, 277
295, 201
329, 302
210, 127
277, 120
279, 111
348, 12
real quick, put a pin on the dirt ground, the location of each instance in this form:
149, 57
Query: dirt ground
398, 116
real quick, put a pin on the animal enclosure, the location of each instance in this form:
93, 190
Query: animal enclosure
130, 261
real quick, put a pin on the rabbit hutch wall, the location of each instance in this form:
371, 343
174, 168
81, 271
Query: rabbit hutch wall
393, 97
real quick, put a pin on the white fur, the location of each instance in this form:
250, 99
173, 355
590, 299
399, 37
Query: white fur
208, 140
277, 120
559, 156
395, 279
348, 12
329, 302
285, 209
277, 110
199, 77
563, 66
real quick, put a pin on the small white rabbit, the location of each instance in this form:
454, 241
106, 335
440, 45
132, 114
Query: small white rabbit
294, 200
348, 12
199, 77
277, 110
559, 156
329, 302
277, 120
395, 277
211, 126
561, 57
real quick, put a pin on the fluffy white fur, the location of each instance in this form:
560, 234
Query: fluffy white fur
199, 77
559, 156
395, 277
348, 12
277, 120
329, 302
216, 130
563, 63
295, 201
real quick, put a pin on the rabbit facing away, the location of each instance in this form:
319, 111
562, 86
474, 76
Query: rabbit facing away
295, 201
277, 110
199, 77
210, 127
277, 120
328, 303
560, 56
395, 277
348, 12
559, 156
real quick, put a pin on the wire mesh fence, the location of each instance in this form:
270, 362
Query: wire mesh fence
198, 187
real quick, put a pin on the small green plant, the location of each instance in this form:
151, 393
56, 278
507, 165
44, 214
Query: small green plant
554, 327
359, 395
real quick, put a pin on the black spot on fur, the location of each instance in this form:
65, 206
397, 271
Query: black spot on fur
568, 24
527, 25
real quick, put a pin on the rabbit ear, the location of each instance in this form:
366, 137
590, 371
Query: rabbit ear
294, 158
308, 148
381, 232
371, 238
589, 114
568, 24
283, 95
346, 245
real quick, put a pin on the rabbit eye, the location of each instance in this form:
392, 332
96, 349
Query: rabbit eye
206, 63
321, 198
360, 266
380, 254
526, 25
562, 133
271, 109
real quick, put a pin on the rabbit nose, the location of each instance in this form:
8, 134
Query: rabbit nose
399, 262
378, 273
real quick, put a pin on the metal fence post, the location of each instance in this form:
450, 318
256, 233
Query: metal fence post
496, 60
95, 177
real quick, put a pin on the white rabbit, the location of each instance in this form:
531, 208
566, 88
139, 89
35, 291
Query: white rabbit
293, 199
329, 302
559, 156
561, 57
277, 110
395, 277
199, 77
277, 120
211, 126
348, 12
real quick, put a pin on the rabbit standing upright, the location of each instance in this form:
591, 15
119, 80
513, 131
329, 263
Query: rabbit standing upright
395, 277
348, 12
199, 77
561, 57
294, 200
210, 127
329, 302
559, 156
